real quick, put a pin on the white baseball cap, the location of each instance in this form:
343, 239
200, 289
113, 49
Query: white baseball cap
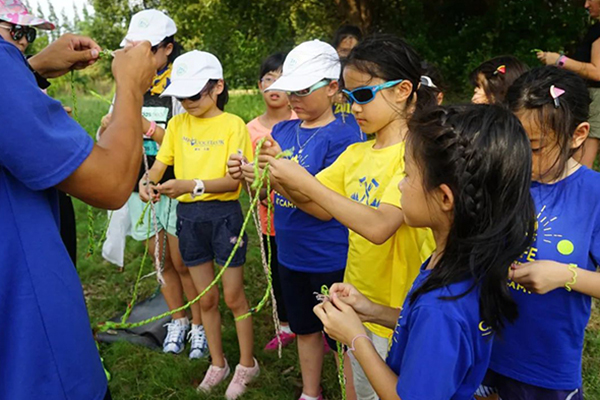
151, 25
191, 72
308, 63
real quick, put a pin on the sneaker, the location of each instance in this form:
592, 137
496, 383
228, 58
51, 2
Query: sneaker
242, 377
175, 339
213, 377
286, 339
199, 345
304, 398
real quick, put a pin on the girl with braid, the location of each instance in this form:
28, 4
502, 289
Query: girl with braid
467, 179
553, 282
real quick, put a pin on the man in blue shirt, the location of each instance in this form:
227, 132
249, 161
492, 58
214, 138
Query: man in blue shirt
46, 345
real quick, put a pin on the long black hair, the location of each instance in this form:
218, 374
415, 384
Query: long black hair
344, 32
482, 154
532, 92
176, 48
390, 58
497, 81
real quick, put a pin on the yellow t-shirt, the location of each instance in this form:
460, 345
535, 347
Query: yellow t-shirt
384, 273
199, 148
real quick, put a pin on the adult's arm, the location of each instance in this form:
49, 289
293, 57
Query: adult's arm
586, 70
106, 177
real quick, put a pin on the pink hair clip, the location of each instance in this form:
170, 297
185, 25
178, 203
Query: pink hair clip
500, 70
556, 93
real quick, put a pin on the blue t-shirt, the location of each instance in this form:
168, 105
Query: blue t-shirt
305, 243
46, 345
545, 344
440, 348
343, 112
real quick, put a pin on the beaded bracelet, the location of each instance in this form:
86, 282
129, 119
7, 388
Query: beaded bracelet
573, 269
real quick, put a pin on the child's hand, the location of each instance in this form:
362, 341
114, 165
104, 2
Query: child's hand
542, 276
340, 321
248, 173
147, 191
234, 166
287, 173
105, 121
365, 308
174, 188
68, 110
270, 147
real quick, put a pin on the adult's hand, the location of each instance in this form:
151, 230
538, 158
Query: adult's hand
67, 53
135, 66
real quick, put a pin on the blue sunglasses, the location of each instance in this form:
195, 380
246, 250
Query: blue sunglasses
366, 94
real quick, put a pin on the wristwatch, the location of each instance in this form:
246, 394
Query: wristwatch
198, 189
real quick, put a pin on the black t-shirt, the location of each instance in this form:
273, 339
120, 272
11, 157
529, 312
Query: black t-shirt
584, 50
159, 110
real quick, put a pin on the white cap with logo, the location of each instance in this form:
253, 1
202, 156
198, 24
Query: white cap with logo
191, 72
151, 25
308, 63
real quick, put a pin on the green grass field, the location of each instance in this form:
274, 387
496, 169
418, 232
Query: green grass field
139, 373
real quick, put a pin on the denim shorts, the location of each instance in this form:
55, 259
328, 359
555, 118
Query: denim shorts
510, 389
208, 230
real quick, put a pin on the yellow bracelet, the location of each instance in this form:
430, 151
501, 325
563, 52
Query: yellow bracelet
573, 269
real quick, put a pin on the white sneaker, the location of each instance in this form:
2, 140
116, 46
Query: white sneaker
199, 345
175, 339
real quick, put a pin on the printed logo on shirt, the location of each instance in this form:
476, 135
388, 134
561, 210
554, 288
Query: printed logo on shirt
300, 158
544, 230
283, 202
203, 145
484, 329
342, 108
367, 188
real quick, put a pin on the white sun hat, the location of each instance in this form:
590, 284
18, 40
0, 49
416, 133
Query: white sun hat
308, 63
191, 72
151, 25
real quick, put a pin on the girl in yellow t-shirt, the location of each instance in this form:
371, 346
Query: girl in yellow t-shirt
209, 217
384, 84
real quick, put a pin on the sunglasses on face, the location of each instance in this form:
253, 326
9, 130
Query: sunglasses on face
366, 94
268, 80
17, 32
306, 92
195, 97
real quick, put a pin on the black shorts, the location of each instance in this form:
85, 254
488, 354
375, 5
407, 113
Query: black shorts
510, 389
299, 296
208, 230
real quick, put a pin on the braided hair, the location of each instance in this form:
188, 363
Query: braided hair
482, 154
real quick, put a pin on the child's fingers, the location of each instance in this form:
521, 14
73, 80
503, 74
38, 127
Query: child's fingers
320, 313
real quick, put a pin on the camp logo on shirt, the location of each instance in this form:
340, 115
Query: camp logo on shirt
203, 145
544, 230
484, 329
367, 187
300, 159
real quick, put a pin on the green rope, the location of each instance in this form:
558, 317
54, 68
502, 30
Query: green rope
139, 277
340, 354
108, 325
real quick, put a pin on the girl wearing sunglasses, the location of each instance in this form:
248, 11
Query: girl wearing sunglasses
18, 25
383, 78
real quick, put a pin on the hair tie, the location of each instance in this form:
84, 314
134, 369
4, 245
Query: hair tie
500, 70
425, 80
556, 93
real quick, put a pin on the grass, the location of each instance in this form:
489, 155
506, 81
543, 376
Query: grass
140, 373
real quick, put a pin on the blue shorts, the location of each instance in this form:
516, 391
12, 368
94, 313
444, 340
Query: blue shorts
208, 230
510, 389
298, 289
